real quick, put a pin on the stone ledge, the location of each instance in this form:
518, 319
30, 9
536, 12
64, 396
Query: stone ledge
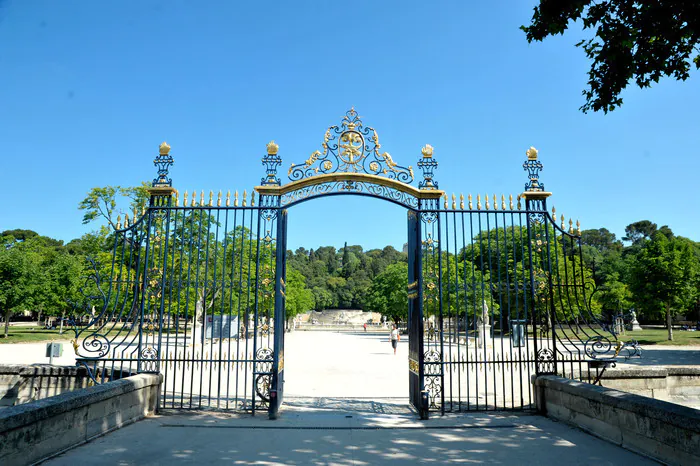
29, 413
670, 413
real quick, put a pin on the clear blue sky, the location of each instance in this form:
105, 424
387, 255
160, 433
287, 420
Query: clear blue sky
89, 89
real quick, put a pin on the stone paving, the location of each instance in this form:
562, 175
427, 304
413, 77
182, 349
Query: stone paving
345, 405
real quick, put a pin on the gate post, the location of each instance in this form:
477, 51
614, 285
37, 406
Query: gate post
536, 209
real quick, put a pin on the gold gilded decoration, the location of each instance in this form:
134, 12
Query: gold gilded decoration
503, 202
75, 346
486, 198
272, 148
531, 153
519, 205
454, 202
478, 201
413, 285
470, 202
164, 148
350, 147
412, 294
427, 151
413, 366
235, 199
218, 200
245, 197
280, 364
578, 228
445, 197
510, 197
201, 198
211, 198
266, 281
431, 286
571, 226
461, 201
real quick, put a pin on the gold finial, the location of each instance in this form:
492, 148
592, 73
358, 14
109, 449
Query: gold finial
228, 198
532, 153
578, 228
143, 209
454, 202
510, 197
119, 222
126, 220
571, 226
252, 198
427, 151
177, 198
478, 202
201, 198
445, 197
486, 198
272, 148
461, 201
554, 215
184, 200
164, 148
563, 227
495, 202
519, 205
503, 201
470, 202
245, 197
211, 198
194, 199
218, 200
235, 199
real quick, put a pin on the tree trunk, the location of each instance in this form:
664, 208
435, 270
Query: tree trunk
668, 322
38, 320
63, 315
7, 322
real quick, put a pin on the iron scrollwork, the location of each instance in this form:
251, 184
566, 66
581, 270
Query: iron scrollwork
533, 167
545, 361
263, 368
163, 162
351, 148
432, 366
357, 187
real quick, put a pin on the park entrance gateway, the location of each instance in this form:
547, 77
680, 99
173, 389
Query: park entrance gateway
195, 286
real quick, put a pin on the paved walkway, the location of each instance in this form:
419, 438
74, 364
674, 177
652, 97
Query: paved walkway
337, 437
346, 404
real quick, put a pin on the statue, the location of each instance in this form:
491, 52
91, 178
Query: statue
484, 318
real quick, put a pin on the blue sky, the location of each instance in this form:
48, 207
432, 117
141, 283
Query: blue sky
88, 90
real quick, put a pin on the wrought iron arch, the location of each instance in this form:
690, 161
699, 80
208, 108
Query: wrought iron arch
351, 162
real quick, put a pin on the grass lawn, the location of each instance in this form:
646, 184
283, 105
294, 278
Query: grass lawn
656, 336
33, 334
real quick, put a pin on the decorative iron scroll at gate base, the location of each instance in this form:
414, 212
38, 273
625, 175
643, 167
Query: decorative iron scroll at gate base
496, 293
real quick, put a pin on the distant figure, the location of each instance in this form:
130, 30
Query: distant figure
365, 326
395, 337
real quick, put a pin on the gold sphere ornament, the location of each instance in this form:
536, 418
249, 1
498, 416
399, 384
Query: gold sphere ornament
374, 166
532, 153
327, 165
427, 151
164, 148
272, 148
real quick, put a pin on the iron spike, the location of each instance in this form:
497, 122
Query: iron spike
445, 197
486, 198
495, 202
578, 227
454, 202
194, 199
571, 226
461, 201
470, 202
503, 201
201, 198
245, 195
119, 222
478, 202
184, 200
563, 227
126, 220
510, 197
228, 198
519, 206
235, 199
252, 197
211, 198
177, 198
554, 215
218, 200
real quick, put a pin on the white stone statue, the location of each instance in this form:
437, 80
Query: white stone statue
485, 314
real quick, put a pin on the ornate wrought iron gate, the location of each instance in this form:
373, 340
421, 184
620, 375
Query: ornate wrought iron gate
495, 293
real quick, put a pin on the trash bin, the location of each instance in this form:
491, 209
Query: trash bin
517, 332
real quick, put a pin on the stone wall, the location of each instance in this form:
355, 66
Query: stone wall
677, 384
21, 384
40, 429
661, 430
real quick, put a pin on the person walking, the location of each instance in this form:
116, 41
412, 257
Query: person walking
365, 326
395, 337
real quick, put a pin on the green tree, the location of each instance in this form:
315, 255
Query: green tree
664, 277
299, 298
388, 294
635, 40
19, 278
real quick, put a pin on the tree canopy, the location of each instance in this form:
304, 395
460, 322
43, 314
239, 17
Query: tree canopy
633, 40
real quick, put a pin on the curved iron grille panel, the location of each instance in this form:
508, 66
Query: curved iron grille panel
350, 187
